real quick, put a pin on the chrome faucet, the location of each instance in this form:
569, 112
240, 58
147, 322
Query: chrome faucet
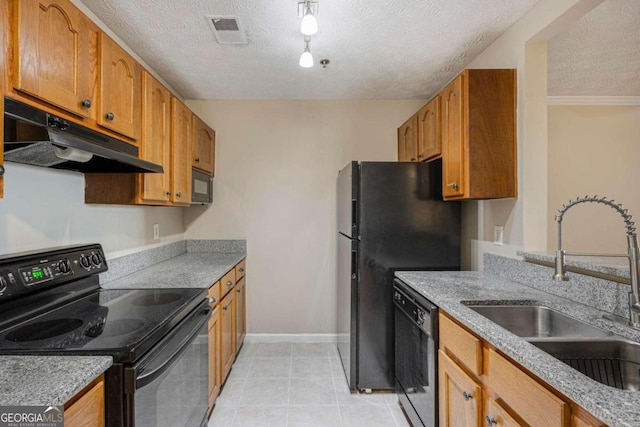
633, 253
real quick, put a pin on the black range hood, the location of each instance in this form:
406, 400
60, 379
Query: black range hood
35, 137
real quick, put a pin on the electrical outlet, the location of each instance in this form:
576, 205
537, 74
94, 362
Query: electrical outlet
497, 234
156, 231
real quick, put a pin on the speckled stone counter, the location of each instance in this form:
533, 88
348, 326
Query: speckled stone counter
189, 270
613, 267
47, 380
447, 290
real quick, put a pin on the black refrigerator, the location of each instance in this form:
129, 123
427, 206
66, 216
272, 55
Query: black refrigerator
390, 217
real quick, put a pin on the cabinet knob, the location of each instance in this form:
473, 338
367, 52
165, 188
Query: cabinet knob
212, 300
197, 159
225, 307
239, 290
230, 283
467, 396
413, 159
1, 170
178, 194
454, 185
419, 156
168, 193
241, 270
109, 116
490, 421
86, 103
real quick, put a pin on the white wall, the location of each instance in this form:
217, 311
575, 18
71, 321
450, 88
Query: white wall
45, 207
593, 150
276, 169
523, 47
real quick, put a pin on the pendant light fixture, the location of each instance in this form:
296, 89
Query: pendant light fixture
306, 59
309, 24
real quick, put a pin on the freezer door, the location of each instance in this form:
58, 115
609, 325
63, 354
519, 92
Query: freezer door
347, 306
348, 200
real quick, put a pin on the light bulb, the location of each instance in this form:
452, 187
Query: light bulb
309, 25
306, 59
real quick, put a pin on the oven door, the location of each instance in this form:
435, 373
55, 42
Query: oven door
201, 187
169, 387
416, 358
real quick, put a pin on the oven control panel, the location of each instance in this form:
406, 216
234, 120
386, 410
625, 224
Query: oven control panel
32, 272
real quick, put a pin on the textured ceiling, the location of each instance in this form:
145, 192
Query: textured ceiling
599, 55
377, 48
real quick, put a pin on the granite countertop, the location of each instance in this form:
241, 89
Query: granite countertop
612, 267
188, 270
47, 380
447, 289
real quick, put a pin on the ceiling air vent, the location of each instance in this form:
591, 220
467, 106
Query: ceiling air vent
227, 29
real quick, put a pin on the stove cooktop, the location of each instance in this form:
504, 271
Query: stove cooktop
120, 323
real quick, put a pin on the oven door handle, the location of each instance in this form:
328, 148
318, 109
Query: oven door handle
191, 334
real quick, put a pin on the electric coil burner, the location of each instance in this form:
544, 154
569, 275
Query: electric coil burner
51, 303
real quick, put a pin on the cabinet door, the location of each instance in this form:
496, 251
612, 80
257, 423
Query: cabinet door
429, 139
55, 53
88, 410
498, 416
120, 94
241, 303
180, 152
155, 144
460, 397
453, 139
408, 140
227, 334
204, 146
214, 356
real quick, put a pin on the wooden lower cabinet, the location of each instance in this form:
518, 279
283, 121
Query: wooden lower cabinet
486, 388
227, 333
460, 396
241, 322
214, 356
87, 407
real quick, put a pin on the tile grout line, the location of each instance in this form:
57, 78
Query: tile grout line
286, 417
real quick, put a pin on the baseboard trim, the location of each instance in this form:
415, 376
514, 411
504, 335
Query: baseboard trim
256, 338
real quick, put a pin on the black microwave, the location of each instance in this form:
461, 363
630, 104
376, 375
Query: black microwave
201, 188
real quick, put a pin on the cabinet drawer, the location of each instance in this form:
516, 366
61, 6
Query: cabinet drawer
214, 292
498, 416
240, 270
536, 405
227, 282
461, 344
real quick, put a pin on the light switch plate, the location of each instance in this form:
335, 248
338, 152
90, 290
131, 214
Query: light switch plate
156, 231
497, 234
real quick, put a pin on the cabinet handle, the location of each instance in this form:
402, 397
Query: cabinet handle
419, 156
230, 283
490, 421
86, 103
109, 116
467, 396
178, 194
1, 170
212, 300
197, 159
454, 185
225, 307
413, 159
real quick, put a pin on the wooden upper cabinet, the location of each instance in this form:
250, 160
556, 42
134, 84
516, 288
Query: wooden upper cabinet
181, 134
429, 139
408, 140
155, 144
204, 146
454, 155
55, 54
479, 135
120, 75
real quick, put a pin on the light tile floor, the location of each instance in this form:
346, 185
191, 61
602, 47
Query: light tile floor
301, 385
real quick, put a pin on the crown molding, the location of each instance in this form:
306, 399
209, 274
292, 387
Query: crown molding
593, 100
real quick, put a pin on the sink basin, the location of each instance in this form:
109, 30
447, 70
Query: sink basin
613, 362
537, 321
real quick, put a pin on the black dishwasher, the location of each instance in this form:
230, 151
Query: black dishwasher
416, 350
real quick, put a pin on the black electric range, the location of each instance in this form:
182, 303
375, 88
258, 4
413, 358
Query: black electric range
51, 303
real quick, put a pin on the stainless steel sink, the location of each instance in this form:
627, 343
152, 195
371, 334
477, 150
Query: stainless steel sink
613, 362
537, 321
